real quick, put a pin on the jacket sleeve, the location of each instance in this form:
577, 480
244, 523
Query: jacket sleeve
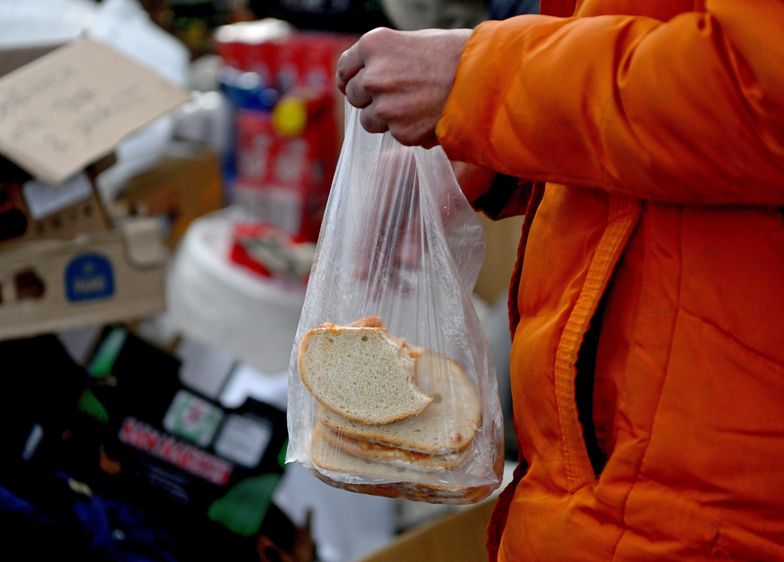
687, 111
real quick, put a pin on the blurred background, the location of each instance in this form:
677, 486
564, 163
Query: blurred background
151, 284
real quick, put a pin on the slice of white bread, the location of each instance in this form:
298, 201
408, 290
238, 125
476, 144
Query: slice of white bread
360, 373
445, 426
392, 455
434, 487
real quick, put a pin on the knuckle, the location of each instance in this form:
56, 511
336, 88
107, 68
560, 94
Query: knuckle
369, 82
375, 38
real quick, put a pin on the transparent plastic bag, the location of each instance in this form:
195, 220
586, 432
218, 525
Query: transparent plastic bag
392, 389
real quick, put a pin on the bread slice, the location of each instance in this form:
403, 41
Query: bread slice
445, 426
395, 481
360, 373
393, 456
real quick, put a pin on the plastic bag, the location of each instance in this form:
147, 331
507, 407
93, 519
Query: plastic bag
392, 389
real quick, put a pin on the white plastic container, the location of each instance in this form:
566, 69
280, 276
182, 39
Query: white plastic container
219, 303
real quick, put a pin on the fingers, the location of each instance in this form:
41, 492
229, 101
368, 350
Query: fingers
356, 93
358, 96
349, 64
371, 122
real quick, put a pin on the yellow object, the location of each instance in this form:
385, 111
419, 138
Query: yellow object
289, 117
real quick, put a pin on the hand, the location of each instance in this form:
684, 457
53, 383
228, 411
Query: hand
401, 80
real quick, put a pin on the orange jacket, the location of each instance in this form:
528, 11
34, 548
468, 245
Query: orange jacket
659, 127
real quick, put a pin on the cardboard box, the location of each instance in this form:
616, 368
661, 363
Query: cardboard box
30, 209
70, 107
62, 112
185, 185
459, 537
47, 285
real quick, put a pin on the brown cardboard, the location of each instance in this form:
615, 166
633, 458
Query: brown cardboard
71, 106
48, 285
185, 185
459, 537
501, 241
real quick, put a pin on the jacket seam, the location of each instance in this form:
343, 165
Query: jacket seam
759, 354
638, 471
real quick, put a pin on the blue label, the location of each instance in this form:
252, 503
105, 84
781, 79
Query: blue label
88, 277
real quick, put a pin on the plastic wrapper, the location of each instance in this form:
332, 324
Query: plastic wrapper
392, 389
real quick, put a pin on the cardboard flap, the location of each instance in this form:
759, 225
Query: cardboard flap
458, 537
73, 105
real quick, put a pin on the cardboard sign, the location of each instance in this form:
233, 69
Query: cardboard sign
73, 105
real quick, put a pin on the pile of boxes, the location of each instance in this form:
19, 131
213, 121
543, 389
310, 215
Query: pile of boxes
63, 263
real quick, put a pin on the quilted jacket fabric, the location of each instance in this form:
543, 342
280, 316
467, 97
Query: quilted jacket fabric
655, 129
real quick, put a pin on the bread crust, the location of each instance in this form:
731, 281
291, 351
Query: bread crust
416, 487
395, 456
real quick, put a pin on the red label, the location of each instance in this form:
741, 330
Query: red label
186, 457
